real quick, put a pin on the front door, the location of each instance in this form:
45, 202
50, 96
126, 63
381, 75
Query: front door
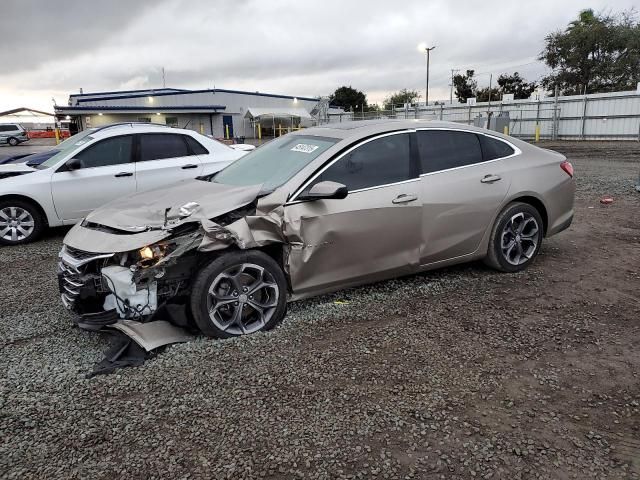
165, 158
372, 234
227, 125
106, 172
462, 191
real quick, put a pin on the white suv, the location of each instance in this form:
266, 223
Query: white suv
99, 165
12, 133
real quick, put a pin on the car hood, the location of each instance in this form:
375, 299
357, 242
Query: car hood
147, 210
139, 220
13, 170
16, 167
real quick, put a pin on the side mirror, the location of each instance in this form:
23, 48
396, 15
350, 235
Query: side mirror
327, 190
74, 164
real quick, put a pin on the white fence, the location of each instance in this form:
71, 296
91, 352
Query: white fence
601, 116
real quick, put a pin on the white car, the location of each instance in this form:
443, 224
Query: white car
97, 166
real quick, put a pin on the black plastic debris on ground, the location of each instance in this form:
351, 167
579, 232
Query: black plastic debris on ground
122, 353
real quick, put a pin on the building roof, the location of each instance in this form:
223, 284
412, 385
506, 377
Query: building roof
92, 97
278, 112
24, 109
60, 109
146, 91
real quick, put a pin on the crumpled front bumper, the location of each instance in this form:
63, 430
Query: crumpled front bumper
74, 282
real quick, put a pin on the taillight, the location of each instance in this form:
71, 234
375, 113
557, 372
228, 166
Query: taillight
567, 167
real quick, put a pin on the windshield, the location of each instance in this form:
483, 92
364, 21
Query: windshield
275, 162
68, 146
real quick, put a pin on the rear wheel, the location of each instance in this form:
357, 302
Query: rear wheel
20, 222
13, 141
516, 238
239, 293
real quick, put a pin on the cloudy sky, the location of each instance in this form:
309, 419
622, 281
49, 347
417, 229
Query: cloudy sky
307, 48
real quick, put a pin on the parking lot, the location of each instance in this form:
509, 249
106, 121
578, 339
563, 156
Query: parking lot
456, 373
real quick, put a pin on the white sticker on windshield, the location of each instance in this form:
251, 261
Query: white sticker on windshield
304, 148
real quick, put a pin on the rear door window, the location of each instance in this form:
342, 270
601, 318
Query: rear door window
195, 146
381, 161
156, 146
493, 148
446, 149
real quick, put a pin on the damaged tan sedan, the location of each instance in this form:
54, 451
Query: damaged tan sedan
312, 212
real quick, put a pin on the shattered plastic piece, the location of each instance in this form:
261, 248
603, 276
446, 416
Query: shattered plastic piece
606, 200
152, 335
341, 302
95, 321
187, 209
124, 352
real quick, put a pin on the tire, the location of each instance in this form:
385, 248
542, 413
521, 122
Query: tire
20, 222
516, 238
13, 141
224, 303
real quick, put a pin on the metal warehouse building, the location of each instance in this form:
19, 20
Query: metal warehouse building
217, 112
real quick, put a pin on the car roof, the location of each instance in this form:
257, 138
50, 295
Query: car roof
135, 127
364, 128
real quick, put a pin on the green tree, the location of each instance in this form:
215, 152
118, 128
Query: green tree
348, 98
465, 86
595, 53
515, 84
482, 95
400, 98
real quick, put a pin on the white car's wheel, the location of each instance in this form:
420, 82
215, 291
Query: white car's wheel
20, 222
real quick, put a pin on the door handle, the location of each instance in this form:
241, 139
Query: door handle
189, 165
123, 174
404, 198
490, 178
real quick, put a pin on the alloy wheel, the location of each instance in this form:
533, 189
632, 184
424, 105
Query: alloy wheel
242, 299
520, 238
16, 224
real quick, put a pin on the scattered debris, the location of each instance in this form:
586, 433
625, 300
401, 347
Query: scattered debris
136, 342
152, 335
123, 352
606, 200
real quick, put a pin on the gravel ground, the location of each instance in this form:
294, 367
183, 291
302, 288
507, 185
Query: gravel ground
458, 373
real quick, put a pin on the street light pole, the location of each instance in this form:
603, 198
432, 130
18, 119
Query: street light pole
426, 50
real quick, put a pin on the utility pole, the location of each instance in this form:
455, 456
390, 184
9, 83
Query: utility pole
423, 48
164, 83
453, 72
489, 104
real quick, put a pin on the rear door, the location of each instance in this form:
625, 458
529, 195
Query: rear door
107, 172
462, 189
163, 159
372, 234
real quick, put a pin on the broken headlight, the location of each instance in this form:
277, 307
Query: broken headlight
163, 251
151, 254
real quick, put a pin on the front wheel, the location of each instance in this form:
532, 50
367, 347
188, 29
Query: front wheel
20, 222
239, 293
516, 238
13, 141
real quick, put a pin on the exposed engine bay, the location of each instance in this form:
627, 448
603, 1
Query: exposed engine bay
147, 283
102, 288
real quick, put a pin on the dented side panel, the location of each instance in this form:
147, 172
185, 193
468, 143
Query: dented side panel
359, 239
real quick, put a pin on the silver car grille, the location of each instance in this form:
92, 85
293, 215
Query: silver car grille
72, 264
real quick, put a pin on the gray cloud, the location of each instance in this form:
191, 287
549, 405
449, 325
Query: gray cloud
36, 31
282, 46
